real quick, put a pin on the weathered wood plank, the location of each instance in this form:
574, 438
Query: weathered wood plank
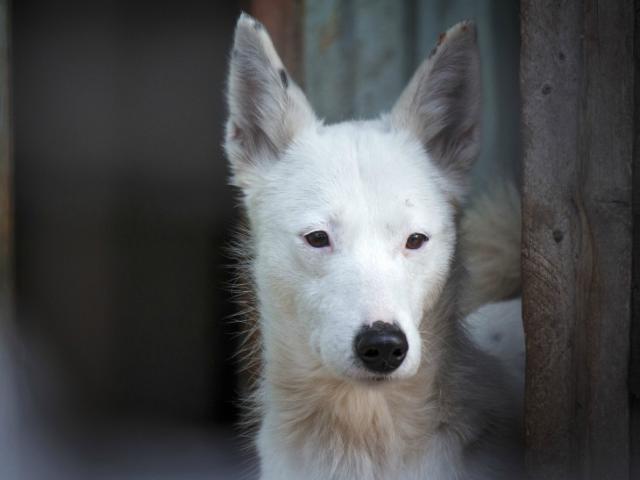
634, 365
577, 89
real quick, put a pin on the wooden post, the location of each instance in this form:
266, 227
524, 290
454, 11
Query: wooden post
6, 210
634, 365
578, 99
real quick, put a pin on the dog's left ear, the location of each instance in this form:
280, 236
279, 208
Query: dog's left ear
266, 108
441, 105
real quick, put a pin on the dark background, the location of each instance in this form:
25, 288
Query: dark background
122, 206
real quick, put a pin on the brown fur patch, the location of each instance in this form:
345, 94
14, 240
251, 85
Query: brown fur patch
490, 247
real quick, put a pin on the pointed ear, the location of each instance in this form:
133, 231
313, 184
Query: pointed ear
441, 104
266, 108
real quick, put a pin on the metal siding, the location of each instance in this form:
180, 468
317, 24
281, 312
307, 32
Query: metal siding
358, 56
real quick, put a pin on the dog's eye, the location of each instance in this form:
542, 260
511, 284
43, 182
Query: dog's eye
317, 239
416, 240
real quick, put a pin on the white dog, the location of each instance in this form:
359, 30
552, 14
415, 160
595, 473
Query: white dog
367, 369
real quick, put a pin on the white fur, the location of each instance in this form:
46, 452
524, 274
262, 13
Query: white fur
446, 412
497, 329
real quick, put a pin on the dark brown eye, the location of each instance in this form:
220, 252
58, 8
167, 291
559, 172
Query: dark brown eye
416, 240
317, 239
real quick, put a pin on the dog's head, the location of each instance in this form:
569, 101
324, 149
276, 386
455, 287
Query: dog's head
353, 224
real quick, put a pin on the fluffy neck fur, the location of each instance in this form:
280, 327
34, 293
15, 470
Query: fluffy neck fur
374, 428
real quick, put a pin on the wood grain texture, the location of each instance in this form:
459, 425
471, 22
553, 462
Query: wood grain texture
634, 365
577, 90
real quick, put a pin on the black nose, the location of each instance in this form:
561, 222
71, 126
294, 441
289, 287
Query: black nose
381, 347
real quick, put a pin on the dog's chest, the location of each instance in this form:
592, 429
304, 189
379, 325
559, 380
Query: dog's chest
358, 434
381, 458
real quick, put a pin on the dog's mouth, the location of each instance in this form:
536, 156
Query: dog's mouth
370, 378
375, 381
359, 374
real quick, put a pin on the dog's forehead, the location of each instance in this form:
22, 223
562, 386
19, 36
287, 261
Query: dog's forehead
351, 172
361, 158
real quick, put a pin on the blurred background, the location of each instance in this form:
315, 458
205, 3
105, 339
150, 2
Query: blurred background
122, 211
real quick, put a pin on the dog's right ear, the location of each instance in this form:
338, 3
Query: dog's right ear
266, 108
